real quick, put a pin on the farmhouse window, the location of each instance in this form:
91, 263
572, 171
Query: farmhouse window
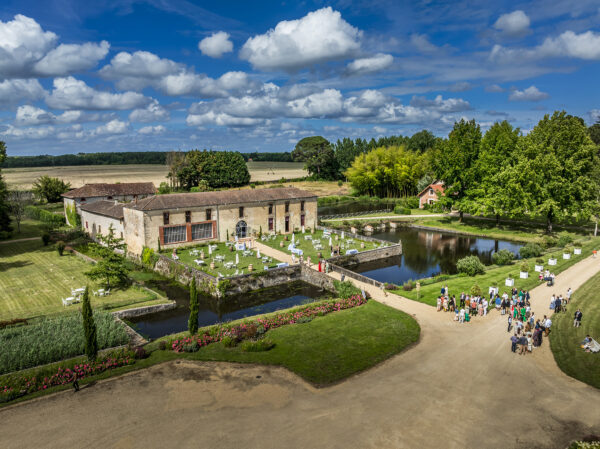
241, 211
99, 229
431, 191
165, 218
83, 200
270, 224
287, 224
287, 207
270, 208
208, 214
302, 206
202, 231
175, 234
188, 216
86, 225
109, 197
302, 220
121, 234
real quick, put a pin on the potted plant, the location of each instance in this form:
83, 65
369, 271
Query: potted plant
567, 253
552, 261
539, 265
524, 274
509, 282
577, 251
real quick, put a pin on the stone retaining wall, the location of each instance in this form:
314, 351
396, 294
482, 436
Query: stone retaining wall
367, 256
129, 313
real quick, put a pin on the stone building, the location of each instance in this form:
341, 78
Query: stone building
96, 217
89, 193
431, 193
189, 218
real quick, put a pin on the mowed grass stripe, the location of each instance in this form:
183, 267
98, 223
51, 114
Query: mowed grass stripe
34, 279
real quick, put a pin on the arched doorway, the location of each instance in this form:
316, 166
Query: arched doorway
240, 229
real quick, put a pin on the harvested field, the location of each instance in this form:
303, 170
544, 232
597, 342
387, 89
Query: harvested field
23, 178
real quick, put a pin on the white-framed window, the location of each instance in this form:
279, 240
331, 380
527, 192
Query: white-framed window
202, 231
175, 234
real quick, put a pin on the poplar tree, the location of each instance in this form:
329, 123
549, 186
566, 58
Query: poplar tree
89, 326
194, 308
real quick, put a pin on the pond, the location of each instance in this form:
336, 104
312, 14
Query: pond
159, 324
353, 207
428, 253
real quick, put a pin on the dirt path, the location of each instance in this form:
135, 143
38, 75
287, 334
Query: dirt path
460, 387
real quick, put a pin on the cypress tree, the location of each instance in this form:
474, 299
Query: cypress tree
89, 326
194, 308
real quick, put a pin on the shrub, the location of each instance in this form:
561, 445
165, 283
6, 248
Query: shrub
162, 345
250, 331
140, 353
525, 267
260, 330
402, 210
539, 261
304, 319
50, 218
60, 247
549, 241
471, 265
412, 202
564, 238
503, 257
530, 250
346, 289
191, 347
149, 258
46, 238
390, 286
229, 342
476, 290
257, 346
408, 285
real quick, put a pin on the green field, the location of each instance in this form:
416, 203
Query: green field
308, 248
222, 250
565, 339
495, 276
34, 279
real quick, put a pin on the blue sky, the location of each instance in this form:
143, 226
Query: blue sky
135, 75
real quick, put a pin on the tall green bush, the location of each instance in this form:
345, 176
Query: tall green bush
564, 238
470, 265
194, 308
36, 213
503, 257
530, 250
89, 326
346, 289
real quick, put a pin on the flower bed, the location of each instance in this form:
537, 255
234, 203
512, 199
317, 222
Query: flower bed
192, 344
18, 385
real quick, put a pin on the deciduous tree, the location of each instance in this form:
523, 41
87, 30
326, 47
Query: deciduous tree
318, 156
50, 189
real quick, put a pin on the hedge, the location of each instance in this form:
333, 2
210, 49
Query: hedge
44, 216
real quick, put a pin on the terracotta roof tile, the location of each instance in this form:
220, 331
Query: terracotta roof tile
222, 197
124, 188
105, 207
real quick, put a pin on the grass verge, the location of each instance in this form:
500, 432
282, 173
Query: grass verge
495, 276
565, 339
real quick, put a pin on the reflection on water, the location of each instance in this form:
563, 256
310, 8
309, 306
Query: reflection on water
231, 308
428, 253
354, 207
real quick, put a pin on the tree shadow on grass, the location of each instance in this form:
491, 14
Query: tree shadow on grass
5, 266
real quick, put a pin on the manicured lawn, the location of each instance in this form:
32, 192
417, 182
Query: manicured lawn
29, 228
323, 351
308, 248
222, 250
34, 279
565, 339
495, 276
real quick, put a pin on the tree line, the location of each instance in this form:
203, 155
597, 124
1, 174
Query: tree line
124, 158
552, 172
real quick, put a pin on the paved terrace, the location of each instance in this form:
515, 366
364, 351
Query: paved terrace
460, 387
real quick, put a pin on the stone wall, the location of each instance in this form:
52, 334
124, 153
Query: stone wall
316, 278
367, 256
263, 279
96, 224
129, 313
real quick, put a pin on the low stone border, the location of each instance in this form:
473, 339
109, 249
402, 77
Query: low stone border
137, 311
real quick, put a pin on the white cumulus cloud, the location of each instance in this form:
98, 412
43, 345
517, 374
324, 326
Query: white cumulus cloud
318, 37
113, 127
326, 103
584, 46
514, 24
69, 58
70, 93
158, 129
370, 65
216, 44
532, 93
15, 90
152, 113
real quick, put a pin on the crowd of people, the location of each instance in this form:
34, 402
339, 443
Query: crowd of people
466, 307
